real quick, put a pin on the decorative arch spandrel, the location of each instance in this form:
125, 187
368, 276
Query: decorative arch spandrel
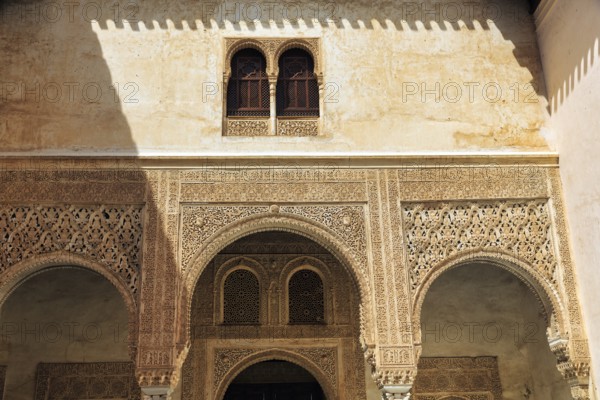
319, 361
253, 219
516, 235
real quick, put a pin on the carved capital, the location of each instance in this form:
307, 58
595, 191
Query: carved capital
156, 377
396, 392
574, 371
578, 376
395, 377
156, 392
394, 381
272, 83
395, 384
580, 391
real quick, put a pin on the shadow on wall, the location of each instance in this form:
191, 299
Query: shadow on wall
63, 51
57, 92
56, 86
482, 310
572, 35
60, 315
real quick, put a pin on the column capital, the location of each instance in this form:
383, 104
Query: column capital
156, 392
576, 371
396, 392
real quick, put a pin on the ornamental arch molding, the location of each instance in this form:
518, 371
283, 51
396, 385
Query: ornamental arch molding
310, 46
241, 44
293, 357
11, 278
275, 221
272, 49
547, 296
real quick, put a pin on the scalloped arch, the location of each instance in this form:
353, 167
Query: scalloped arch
297, 44
549, 299
13, 277
245, 44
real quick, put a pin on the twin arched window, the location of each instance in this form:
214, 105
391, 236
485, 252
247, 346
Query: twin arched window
297, 91
241, 298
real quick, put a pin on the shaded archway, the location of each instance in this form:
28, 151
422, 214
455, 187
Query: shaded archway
75, 320
276, 222
480, 319
12, 278
327, 346
548, 298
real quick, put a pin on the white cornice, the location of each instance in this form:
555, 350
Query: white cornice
338, 160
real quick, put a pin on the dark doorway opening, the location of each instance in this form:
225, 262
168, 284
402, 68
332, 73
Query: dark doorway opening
274, 380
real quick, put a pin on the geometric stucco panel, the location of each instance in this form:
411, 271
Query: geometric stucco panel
445, 378
109, 234
438, 231
200, 222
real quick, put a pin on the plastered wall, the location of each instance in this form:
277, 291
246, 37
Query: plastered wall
481, 310
569, 35
62, 315
144, 77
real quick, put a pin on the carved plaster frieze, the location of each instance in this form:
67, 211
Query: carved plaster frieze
297, 127
247, 127
98, 380
451, 182
288, 172
269, 192
472, 378
82, 181
110, 235
435, 232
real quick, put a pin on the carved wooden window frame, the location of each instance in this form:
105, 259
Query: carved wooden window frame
272, 49
239, 83
305, 86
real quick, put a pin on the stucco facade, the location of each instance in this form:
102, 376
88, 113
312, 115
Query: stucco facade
440, 196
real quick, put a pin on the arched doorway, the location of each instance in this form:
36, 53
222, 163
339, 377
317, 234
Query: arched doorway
69, 326
483, 330
274, 380
269, 293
